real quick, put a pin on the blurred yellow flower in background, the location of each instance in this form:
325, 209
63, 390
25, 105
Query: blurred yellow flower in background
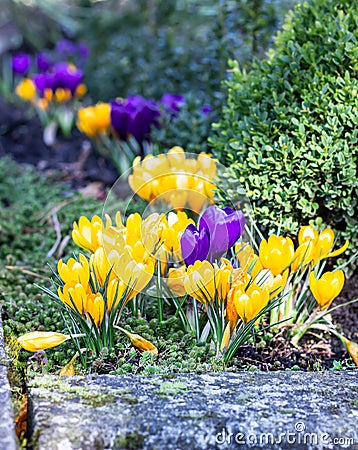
93, 120
173, 178
26, 89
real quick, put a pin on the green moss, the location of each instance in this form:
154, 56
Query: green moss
129, 441
171, 388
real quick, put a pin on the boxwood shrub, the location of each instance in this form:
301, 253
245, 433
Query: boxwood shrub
289, 129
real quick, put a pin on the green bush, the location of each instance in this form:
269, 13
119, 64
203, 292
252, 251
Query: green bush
289, 130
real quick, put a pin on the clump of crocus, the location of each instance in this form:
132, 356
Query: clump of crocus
52, 84
278, 279
175, 179
127, 134
55, 95
233, 300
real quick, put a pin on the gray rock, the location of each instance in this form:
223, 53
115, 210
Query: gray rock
281, 410
7, 430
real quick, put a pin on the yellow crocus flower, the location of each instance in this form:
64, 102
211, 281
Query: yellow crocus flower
322, 243
74, 271
88, 234
95, 308
114, 293
62, 95
276, 254
176, 158
140, 343
26, 89
94, 120
327, 288
200, 281
100, 266
207, 282
36, 341
42, 104
175, 281
74, 295
133, 276
274, 284
303, 255
249, 303
306, 234
48, 94
174, 179
81, 90
172, 228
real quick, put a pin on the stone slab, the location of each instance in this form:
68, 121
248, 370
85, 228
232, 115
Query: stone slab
7, 429
281, 410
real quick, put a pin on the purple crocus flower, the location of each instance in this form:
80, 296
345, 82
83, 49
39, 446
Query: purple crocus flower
83, 50
194, 244
65, 47
43, 62
172, 103
21, 63
218, 231
134, 116
120, 118
205, 110
44, 81
67, 76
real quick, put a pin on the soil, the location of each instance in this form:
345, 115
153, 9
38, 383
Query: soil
71, 160
75, 163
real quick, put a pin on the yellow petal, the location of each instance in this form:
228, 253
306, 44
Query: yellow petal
68, 370
140, 343
226, 338
36, 341
352, 348
339, 251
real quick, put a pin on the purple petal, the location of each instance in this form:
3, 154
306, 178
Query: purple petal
172, 103
43, 62
120, 119
235, 223
21, 63
65, 47
66, 77
205, 110
189, 244
203, 245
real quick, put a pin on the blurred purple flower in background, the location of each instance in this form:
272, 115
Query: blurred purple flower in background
134, 116
43, 62
43, 81
65, 47
172, 103
21, 63
62, 76
73, 51
67, 76
218, 231
205, 110
83, 50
